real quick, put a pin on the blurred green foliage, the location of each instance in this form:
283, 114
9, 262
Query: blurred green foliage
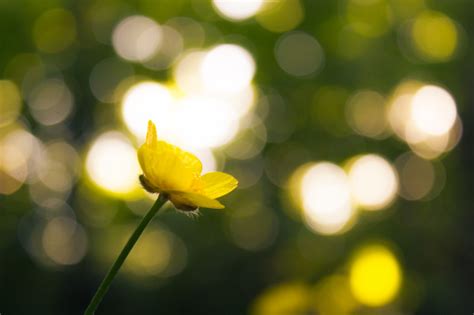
229, 262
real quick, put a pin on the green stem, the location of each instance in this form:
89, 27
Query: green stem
104, 286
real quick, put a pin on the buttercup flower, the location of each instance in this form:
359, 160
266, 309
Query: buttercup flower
176, 176
169, 170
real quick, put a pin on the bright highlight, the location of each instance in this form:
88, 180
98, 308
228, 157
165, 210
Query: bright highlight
137, 38
143, 101
227, 68
326, 198
375, 276
237, 10
374, 182
425, 116
203, 123
112, 164
433, 110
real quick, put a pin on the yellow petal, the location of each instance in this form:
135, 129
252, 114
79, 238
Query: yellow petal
188, 159
191, 161
151, 138
164, 167
183, 199
217, 184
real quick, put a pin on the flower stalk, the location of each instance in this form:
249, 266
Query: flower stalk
104, 286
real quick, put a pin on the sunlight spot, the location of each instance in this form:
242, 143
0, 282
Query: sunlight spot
187, 72
227, 68
375, 276
171, 47
374, 182
425, 116
204, 123
13, 168
237, 9
144, 101
136, 38
326, 198
433, 110
105, 163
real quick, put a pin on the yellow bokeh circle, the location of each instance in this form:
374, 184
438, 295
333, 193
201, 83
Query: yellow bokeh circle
437, 48
375, 276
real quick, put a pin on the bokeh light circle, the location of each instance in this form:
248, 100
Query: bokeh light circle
374, 182
64, 241
237, 9
365, 112
187, 72
369, 18
136, 38
202, 122
227, 68
375, 276
281, 16
417, 176
425, 117
51, 102
433, 110
112, 164
13, 168
144, 101
299, 54
326, 198
431, 48
54, 30
10, 102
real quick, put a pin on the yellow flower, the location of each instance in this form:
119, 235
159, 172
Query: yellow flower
169, 170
